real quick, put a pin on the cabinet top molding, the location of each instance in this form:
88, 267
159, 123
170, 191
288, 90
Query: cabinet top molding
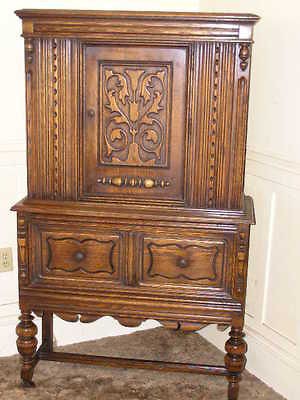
76, 23
181, 16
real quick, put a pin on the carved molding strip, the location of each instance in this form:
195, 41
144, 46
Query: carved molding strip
240, 144
216, 68
213, 131
22, 249
30, 117
73, 317
241, 263
130, 322
29, 51
127, 181
97, 30
244, 55
55, 115
87, 318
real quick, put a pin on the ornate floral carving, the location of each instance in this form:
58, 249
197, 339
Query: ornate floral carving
135, 181
134, 115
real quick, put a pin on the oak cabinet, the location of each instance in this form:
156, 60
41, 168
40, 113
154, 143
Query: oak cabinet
136, 139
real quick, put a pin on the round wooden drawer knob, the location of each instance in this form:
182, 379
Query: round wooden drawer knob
182, 263
79, 256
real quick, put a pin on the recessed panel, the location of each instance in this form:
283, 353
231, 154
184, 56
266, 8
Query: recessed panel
76, 257
134, 123
180, 261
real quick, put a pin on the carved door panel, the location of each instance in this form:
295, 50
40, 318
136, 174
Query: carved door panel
134, 122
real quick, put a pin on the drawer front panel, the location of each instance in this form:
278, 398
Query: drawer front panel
133, 260
91, 256
75, 256
195, 262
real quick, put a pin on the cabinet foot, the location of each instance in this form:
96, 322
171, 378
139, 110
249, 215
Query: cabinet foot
27, 383
27, 344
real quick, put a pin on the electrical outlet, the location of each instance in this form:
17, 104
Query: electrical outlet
6, 260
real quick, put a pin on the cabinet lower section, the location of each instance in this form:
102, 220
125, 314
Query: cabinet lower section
183, 272
133, 270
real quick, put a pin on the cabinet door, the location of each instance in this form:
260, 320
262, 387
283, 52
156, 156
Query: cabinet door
134, 122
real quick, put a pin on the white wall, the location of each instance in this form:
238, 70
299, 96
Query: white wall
273, 178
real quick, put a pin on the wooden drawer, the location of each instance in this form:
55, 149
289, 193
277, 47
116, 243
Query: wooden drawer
133, 260
187, 262
89, 254
78, 256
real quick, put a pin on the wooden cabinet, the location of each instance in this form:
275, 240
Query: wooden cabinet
136, 138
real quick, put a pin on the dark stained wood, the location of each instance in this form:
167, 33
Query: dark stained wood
154, 216
136, 139
47, 331
235, 361
27, 344
133, 113
119, 15
133, 363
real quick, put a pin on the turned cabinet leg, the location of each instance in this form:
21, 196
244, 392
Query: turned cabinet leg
47, 331
233, 387
27, 344
235, 361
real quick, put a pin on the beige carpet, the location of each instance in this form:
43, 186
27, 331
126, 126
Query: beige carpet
77, 382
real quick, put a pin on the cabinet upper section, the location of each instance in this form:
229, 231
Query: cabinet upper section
138, 107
